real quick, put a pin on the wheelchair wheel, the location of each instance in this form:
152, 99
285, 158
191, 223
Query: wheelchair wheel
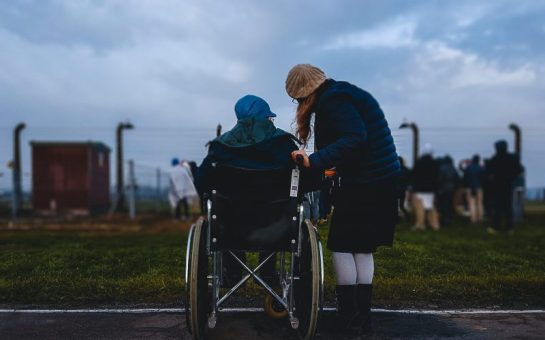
273, 309
307, 288
189, 245
197, 286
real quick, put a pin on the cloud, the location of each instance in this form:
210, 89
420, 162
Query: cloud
394, 34
463, 69
170, 63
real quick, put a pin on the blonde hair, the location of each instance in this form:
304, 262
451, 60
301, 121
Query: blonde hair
303, 117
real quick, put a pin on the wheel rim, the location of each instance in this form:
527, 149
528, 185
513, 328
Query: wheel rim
198, 284
187, 284
307, 288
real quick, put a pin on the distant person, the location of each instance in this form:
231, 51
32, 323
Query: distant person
448, 181
181, 190
473, 178
502, 171
425, 175
403, 186
186, 165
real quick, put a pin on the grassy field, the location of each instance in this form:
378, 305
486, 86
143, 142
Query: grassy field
458, 266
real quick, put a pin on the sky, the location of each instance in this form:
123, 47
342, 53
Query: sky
462, 70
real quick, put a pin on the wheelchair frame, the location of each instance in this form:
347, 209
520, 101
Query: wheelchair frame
291, 280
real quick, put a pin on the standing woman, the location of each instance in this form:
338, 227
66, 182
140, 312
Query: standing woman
351, 134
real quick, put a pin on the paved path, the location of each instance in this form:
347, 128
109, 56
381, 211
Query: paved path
387, 325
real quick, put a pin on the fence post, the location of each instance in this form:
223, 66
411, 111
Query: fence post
17, 190
132, 188
158, 191
416, 138
518, 138
120, 201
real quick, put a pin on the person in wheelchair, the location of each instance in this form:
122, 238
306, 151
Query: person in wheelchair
253, 143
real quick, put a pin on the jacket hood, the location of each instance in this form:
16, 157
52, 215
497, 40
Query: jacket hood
250, 131
252, 106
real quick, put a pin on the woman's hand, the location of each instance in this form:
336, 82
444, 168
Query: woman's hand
306, 161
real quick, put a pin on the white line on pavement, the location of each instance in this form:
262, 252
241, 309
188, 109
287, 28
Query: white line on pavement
254, 310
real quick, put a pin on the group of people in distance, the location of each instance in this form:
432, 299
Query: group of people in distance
436, 189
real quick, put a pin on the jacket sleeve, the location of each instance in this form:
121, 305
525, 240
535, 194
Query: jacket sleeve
346, 123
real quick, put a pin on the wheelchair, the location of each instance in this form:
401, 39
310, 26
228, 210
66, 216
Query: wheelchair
254, 211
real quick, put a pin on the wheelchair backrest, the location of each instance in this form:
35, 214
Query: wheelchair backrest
253, 210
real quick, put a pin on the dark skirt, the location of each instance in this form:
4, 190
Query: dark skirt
364, 216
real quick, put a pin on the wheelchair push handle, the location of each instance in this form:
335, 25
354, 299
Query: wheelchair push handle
300, 160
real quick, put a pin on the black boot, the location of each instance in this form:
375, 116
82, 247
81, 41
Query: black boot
364, 293
347, 310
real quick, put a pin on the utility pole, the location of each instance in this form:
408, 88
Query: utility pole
17, 190
120, 201
416, 138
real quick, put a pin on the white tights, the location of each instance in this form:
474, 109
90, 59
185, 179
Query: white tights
352, 269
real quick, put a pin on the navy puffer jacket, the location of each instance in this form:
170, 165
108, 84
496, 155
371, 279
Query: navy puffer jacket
352, 134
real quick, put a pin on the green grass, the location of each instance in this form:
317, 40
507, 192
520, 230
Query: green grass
459, 266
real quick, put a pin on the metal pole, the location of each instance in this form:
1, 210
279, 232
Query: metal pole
518, 192
120, 202
132, 188
416, 142
158, 191
416, 138
17, 190
518, 139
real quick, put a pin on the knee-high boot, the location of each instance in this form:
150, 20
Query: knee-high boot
347, 310
364, 294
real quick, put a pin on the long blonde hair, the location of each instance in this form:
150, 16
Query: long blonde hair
303, 117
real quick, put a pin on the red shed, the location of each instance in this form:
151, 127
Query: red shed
70, 177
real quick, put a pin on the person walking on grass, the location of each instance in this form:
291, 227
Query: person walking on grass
502, 171
351, 134
181, 190
448, 181
425, 175
473, 178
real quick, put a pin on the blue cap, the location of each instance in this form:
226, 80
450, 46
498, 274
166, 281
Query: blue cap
252, 106
175, 161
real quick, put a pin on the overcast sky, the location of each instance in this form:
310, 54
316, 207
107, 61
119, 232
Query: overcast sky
463, 70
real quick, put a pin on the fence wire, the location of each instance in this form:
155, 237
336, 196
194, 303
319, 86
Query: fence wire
151, 148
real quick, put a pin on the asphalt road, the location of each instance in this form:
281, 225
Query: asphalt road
257, 326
